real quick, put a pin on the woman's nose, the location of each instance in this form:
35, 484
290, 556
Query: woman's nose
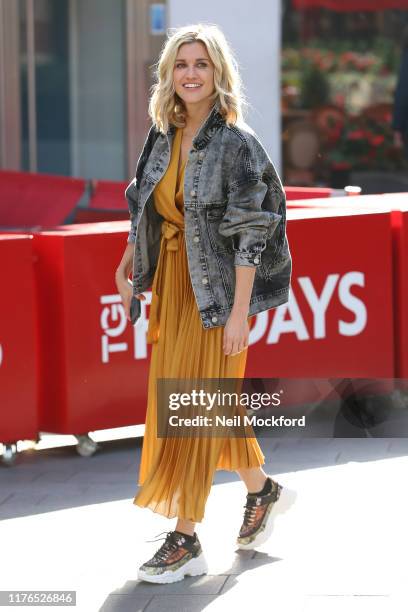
191, 72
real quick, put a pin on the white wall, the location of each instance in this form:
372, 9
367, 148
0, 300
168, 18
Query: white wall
253, 30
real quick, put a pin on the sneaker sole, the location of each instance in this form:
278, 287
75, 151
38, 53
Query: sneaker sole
194, 567
286, 500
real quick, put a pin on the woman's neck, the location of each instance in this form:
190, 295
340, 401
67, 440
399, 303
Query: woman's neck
196, 117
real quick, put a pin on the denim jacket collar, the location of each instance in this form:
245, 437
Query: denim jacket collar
210, 124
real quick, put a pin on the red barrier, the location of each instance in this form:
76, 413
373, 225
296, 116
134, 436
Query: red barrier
396, 204
303, 193
37, 201
394, 201
340, 304
108, 195
95, 228
41, 201
107, 203
18, 340
94, 364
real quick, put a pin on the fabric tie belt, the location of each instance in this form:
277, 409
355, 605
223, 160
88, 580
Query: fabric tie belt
171, 237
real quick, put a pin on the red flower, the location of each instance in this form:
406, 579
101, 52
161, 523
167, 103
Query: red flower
356, 135
341, 165
377, 140
334, 134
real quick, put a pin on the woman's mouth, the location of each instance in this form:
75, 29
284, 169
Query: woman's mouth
192, 86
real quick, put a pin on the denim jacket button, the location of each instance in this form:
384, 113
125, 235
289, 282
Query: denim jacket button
204, 280
196, 239
201, 154
214, 319
192, 192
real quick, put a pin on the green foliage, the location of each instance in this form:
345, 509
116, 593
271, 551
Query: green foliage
314, 87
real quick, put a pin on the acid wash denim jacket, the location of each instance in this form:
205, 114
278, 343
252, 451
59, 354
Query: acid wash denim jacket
234, 215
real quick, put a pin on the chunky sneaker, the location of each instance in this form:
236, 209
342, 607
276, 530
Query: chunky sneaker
261, 511
178, 556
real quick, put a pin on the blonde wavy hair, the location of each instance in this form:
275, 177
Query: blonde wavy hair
166, 107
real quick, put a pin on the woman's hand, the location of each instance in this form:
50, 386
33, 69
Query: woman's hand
236, 333
123, 284
125, 289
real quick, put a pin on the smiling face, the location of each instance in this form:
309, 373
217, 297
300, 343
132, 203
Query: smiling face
193, 67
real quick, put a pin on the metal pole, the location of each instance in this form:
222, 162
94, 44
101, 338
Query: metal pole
10, 94
137, 56
32, 111
74, 88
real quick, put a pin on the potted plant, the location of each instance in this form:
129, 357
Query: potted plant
363, 143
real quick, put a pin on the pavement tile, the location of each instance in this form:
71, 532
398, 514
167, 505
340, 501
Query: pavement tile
18, 500
66, 500
347, 602
329, 548
369, 452
55, 476
180, 603
4, 496
41, 489
247, 565
125, 603
398, 446
103, 477
17, 477
251, 594
192, 585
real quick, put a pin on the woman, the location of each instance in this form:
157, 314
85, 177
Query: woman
204, 204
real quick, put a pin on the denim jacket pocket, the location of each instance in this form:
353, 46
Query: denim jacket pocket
219, 243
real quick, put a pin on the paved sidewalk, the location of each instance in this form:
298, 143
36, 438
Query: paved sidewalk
69, 523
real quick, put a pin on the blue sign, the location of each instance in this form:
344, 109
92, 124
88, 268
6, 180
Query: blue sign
157, 18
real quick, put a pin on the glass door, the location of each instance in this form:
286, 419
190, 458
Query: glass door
75, 77
70, 99
44, 86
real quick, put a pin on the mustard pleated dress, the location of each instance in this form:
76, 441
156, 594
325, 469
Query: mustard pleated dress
176, 474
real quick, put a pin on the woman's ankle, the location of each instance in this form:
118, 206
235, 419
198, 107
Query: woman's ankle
186, 527
254, 478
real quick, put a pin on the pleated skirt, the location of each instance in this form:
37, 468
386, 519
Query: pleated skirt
176, 474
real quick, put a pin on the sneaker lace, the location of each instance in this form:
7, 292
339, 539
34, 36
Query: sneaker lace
167, 547
250, 512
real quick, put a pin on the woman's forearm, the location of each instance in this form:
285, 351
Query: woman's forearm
125, 266
244, 280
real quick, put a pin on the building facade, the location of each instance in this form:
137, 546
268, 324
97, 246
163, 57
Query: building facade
75, 78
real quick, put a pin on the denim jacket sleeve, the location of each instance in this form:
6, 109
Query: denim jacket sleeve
131, 191
254, 196
131, 197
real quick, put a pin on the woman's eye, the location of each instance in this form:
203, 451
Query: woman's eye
202, 64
